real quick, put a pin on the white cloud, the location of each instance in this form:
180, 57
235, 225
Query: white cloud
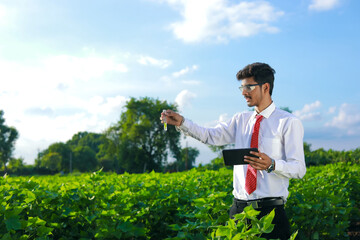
50, 99
170, 79
38, 132
310, 116
347, 119
146, 60
100, 106
185, 71
307, 113
332, 110
220, 20
323, 5
39, 127
52, 72
184, 98
71, 67
224, 117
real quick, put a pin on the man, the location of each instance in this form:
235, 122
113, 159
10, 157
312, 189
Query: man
278, 135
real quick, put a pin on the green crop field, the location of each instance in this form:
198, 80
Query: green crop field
187, 205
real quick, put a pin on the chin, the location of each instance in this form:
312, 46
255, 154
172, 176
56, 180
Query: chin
250, 104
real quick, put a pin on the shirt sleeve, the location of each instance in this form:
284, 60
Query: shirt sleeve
293, 166
222, 134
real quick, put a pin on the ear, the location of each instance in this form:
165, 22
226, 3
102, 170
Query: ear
266, 87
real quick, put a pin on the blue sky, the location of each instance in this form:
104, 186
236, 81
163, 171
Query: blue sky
69, 66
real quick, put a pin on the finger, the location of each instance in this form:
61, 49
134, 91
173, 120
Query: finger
169, 112
254, 159
252, 162
257, 166
256, 163
258, 154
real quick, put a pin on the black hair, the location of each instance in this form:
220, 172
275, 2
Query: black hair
261, 72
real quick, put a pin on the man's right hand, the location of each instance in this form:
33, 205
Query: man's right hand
172, 118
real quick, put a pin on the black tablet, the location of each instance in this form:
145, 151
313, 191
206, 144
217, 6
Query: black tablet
236, 156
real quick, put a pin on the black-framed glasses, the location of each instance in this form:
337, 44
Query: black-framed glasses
249, 87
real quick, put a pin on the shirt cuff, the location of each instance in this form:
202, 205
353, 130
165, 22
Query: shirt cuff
182, 127
279, 166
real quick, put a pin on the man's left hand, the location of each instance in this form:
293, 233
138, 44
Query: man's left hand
261, 162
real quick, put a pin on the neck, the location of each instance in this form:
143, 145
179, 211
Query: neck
261, 107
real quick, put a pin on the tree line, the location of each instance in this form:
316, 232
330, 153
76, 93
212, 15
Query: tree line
137, 143
312, 157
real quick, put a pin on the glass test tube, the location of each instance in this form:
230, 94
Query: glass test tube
164, 120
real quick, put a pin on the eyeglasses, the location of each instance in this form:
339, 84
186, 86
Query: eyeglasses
249, 87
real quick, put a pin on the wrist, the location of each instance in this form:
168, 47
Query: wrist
271, 167
182, 121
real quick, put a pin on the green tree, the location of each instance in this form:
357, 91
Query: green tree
286, 109
8, 136
218, 149
186, 162
16, 165
84, 159
89, 139
218, 162
86, 146
188, 157
64, 152
108, 152
138, 142
52, 161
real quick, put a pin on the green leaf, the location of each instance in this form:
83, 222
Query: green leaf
44, 231
251, 213
24, 237
315, 236
13, 223
175, 227
293, 236
36, 221
138, 231
90, 218
240, 216
241, 226
125, 227
223, 231
67, 211
30, 196
200, 200
266, 221
13, 212
231, 224
7, 236
237, 236
181, 235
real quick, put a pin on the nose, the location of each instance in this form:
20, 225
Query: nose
243, 92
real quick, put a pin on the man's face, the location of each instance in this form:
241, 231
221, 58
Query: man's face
253, 97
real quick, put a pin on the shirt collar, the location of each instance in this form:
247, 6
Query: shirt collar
267, 111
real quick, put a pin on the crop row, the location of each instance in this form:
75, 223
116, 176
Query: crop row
165, 206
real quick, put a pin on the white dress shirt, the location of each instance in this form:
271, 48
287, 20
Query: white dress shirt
280, 137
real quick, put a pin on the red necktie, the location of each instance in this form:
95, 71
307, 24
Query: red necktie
251, 173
